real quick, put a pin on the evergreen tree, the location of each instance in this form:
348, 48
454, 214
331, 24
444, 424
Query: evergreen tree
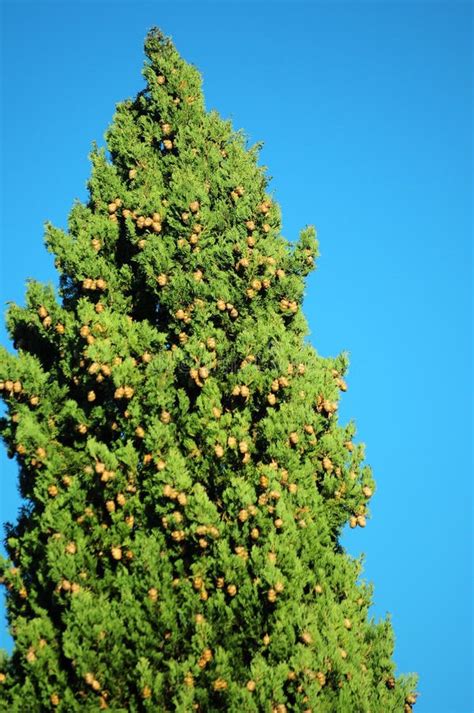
178, 446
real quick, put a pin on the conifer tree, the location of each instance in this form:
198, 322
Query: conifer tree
178, 445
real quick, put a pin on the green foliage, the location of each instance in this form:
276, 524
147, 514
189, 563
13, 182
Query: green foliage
178, 445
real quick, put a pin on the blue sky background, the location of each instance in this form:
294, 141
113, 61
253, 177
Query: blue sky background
366, 114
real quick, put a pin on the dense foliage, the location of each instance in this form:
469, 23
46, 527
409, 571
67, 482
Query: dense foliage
178, 445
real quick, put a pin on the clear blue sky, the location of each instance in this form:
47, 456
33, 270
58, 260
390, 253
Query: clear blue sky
366, 114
